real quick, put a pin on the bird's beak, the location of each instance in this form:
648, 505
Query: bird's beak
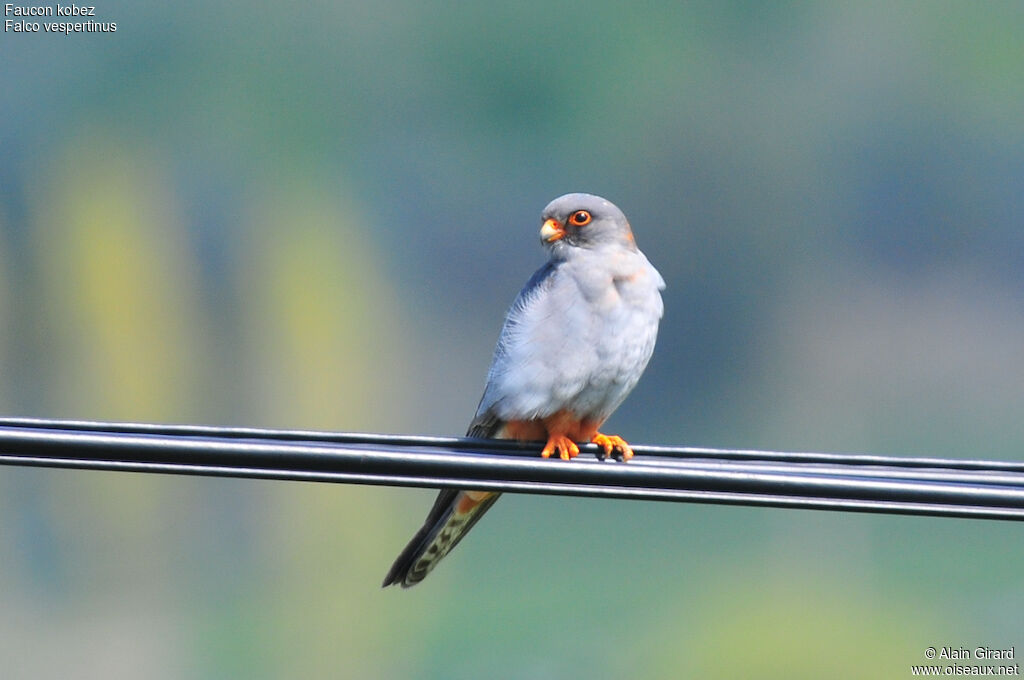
551, 231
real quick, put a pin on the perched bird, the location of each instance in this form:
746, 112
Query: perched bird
574, 344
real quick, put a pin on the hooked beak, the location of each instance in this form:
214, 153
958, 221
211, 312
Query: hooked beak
551, 231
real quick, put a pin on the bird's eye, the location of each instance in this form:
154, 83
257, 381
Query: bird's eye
580, 218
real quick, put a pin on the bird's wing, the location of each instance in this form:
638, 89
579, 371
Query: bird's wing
515, 379
455, 512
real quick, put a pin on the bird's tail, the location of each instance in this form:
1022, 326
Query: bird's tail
453, 515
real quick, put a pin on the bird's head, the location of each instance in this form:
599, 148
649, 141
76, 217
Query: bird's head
584, 221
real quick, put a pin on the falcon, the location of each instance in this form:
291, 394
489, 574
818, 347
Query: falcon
574, 343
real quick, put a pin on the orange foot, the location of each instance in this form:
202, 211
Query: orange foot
613, 446
562, 445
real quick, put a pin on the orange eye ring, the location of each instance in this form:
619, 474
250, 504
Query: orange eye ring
580, 218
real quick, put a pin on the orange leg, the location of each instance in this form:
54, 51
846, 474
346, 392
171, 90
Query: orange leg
611, 445
562, 445
563, 430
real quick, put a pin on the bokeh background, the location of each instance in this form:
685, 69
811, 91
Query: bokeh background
314, 216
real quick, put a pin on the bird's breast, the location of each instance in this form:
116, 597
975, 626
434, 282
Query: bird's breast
581, 343
615, 336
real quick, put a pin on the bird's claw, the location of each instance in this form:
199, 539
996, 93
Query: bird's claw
612, 445
562, 445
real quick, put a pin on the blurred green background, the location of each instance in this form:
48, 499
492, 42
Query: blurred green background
315, 217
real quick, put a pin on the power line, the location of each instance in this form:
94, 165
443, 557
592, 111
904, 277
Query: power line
881, 484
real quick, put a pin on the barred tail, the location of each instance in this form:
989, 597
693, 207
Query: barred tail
453, 515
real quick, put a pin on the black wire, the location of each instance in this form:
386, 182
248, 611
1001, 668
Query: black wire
920, 486
504, 446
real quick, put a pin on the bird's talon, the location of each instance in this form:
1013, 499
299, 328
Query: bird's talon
562, 445
612, 445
